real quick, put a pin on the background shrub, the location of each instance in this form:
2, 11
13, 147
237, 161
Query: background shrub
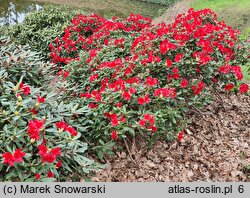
41, 27
19, 61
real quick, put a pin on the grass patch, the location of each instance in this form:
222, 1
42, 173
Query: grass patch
246, 72
109, 8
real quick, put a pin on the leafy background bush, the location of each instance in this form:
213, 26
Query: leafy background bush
41, 27
19, 61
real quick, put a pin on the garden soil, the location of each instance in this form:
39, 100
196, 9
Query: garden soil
215, 148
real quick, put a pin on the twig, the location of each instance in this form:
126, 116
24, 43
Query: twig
129, 152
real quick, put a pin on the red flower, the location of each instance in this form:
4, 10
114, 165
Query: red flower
59, 164
72, 131
132, 90
114, 135
151, 81
50, 174
197, 89
229, 86
93, 77
142, 123
64, 126
169, 63
166, 92
149, 118
244, 88
25, 88
93, 105
184, 83
10, 158
34, 127
56, 151
48, 155
225, 69
40, 99
180, 136
237, 71
178, 57
165, 46
113, 118
66, 74
152, 128
18, 155
126, 95
176, 75
38, 176
144, 100
97, 95
119, 104
122, 118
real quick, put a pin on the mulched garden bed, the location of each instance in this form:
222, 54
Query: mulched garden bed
215, 148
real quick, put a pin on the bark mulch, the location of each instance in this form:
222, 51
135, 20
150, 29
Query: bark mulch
215, 148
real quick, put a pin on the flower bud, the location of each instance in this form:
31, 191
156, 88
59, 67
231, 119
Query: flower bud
60, 130
19, 98
37, 104
15, 88
4, 112
16, 113
32, 141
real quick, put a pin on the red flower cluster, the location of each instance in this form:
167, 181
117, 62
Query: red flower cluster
48, 155
89, 31
229, 86
25, 88
34, 128
151, 81
184, 83
10, 158
144, 100
197, 89
63, 126
115, 120
114, 135
244, 88
166, 92
148, 121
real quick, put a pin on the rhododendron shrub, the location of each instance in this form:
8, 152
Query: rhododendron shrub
39, 138
137, 78
41, 27
20, 61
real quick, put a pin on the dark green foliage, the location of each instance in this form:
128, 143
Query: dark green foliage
41, 28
